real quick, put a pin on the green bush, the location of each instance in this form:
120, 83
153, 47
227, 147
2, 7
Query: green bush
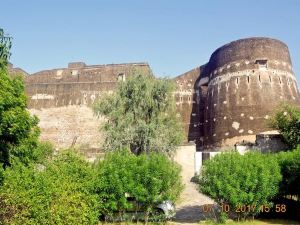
149, 179
31, 150
290, 169
58, 192
247, 181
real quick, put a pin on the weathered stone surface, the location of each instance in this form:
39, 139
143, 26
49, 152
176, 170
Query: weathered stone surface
63, 99
78, 84
65, 125
249, 78
13, 71
236, 92
227, 100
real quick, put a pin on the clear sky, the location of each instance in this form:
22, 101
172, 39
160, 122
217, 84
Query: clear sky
172, 36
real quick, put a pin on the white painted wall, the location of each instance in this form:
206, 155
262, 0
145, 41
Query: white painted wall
198, 162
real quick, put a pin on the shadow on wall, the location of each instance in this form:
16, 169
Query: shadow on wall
196, 123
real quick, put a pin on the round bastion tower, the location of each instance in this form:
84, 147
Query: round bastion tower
248, 79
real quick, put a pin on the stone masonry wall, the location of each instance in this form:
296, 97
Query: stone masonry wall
63, 99
64, 126
243, 93
227, 100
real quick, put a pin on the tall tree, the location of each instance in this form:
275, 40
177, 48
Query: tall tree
18, 130
141, 116
287, 121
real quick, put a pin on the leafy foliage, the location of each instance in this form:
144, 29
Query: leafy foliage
149, 179
58, 192
237, 180
17, 127
5, 45
141, 116
290, 170
287, 121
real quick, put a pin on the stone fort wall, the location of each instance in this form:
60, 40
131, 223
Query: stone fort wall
78, 84
249, 78
227, 100
63, 98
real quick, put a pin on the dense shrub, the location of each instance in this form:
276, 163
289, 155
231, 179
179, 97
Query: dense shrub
239, 181
31, 150
149, 179
58, 192
290, 169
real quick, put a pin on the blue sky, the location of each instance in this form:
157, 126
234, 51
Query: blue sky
172, 36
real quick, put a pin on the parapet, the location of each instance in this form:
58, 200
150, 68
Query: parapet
250, 53
73, 65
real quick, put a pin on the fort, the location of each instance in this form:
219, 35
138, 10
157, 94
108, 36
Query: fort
225, 101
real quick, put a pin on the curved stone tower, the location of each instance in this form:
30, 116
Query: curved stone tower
248, 79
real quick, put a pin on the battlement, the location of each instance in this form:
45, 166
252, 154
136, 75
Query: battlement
80, 72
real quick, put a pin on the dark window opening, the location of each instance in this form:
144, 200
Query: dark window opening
121, 77
262, 63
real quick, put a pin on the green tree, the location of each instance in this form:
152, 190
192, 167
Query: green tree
141, 116
18, 129
149, 179
249, 180
58, 192
287, 121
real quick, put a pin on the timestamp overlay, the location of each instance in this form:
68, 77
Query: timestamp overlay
278, 208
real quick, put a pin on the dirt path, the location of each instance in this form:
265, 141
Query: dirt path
190, 207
